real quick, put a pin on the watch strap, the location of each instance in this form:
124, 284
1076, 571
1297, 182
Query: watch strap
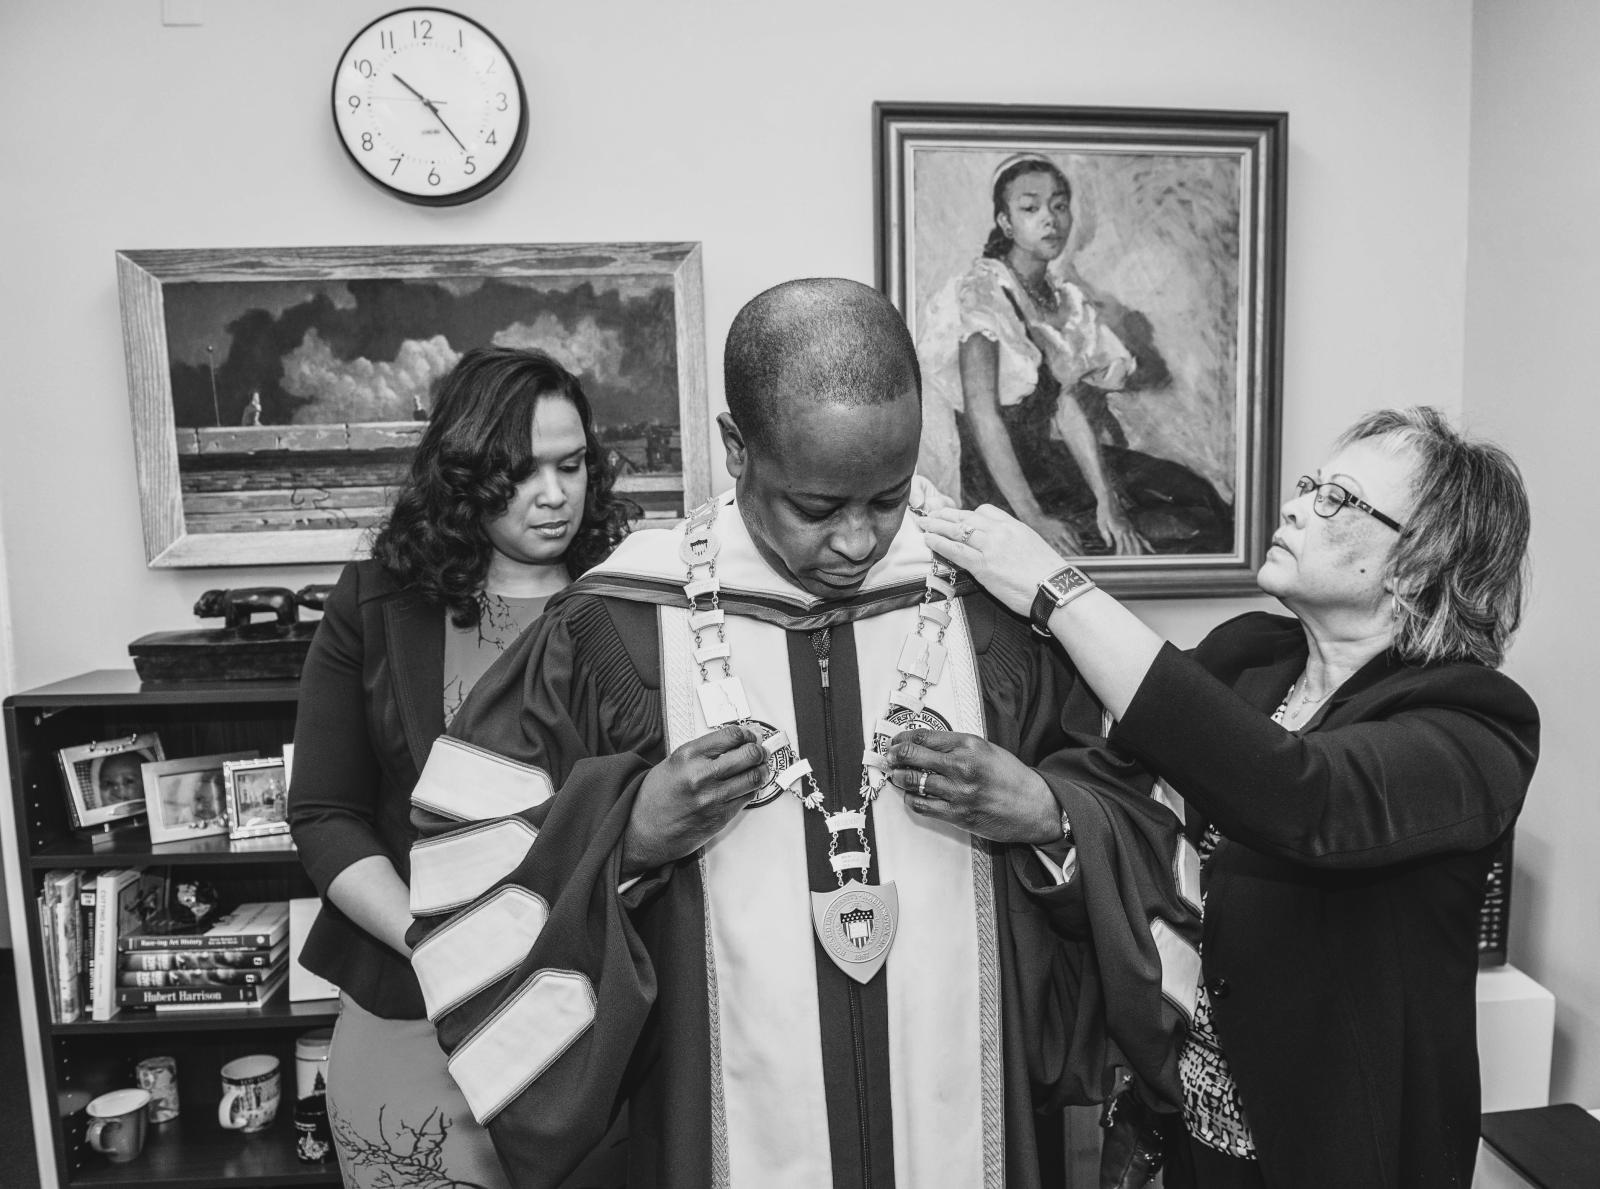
1055, 592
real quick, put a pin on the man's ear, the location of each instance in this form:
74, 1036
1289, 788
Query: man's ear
733, 443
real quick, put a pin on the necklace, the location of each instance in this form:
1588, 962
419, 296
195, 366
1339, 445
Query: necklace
856, 922
1042, 292
1296, 704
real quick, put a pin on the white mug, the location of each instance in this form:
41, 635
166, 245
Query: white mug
117, 1122
250, 1093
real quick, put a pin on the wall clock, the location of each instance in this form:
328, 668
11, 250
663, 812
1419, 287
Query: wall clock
430, 106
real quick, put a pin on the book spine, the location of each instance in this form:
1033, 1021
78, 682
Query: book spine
69, 949
148, 942
87, 898
102, 1000
217, 977
47, 943
195, 959
167, 996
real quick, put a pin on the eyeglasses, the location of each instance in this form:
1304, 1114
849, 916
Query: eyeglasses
1331, 497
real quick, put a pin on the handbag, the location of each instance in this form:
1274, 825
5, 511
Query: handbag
1133, 1145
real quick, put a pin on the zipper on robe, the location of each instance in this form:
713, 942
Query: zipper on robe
822, 645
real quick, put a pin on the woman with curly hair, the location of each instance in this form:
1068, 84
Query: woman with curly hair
508, 499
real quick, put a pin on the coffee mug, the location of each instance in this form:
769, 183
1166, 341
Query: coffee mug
117, 1122
250, 1092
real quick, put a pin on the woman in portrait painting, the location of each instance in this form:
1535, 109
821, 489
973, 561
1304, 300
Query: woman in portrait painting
1017, 362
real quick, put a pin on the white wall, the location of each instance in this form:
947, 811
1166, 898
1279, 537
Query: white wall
745, 126
1532, 308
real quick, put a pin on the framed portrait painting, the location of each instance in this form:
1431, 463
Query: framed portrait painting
278, 393
1096, 295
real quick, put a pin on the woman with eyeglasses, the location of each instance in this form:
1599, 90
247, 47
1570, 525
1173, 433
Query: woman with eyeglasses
1347, 771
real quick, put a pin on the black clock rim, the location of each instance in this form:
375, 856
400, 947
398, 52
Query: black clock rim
460, 197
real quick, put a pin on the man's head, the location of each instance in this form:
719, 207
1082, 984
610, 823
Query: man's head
824, 416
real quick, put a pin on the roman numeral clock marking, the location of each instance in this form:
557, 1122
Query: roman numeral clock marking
430, 107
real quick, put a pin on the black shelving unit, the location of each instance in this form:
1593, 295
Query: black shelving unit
192, 1151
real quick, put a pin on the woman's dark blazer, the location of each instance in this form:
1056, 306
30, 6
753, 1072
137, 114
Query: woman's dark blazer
1340, 940
371, 705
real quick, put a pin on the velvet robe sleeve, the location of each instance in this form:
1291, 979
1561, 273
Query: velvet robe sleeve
536, 980
1105, 964
1424, 760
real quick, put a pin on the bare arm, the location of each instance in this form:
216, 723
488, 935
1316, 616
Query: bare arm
371, 893
980, 375
1111, 647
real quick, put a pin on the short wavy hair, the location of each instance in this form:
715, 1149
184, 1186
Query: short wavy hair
1460, 567
477, 448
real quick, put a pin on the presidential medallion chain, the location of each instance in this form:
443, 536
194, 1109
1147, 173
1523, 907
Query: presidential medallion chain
855, 923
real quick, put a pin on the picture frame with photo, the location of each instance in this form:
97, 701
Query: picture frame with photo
1096, 296
103, 779
258, 797
278, 394
188, 797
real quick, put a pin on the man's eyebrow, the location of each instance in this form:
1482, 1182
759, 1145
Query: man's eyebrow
833, 497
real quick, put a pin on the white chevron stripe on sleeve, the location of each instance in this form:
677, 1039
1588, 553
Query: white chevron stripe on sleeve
455, 869
477, 947
509, 1050
1180, 966
470, 784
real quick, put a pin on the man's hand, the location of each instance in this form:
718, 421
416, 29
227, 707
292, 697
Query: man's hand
974, 785
688, 797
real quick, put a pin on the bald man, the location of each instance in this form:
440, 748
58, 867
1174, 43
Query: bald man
661, 858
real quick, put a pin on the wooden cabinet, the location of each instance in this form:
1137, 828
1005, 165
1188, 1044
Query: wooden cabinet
94, 1056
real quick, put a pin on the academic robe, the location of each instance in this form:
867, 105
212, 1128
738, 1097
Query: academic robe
699, 992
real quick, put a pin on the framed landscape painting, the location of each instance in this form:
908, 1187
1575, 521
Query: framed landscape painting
278, 393
1096, 295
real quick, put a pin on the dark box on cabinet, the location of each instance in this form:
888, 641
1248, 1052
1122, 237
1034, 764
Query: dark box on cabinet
252, 653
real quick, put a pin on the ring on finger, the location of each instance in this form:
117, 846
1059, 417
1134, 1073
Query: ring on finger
922, 782
968, 527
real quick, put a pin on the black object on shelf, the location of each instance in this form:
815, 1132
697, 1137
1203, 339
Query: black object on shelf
250, 653
240, 650
1551, 1147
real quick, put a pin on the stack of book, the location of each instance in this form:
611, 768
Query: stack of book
239, 961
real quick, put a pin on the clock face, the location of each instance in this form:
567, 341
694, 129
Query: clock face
430, 106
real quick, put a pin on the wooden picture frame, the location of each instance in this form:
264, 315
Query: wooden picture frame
258, 797
277, 392
188, 798
102, 778
1143, 250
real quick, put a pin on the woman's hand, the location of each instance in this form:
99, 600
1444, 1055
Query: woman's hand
974, 785
925, 497
1008, 558
1117, 527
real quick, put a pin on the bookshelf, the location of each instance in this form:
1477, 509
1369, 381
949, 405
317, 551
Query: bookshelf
93, 1056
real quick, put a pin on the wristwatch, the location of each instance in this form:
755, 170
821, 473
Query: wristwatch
1058, 590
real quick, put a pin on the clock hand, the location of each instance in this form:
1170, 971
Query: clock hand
428, 103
